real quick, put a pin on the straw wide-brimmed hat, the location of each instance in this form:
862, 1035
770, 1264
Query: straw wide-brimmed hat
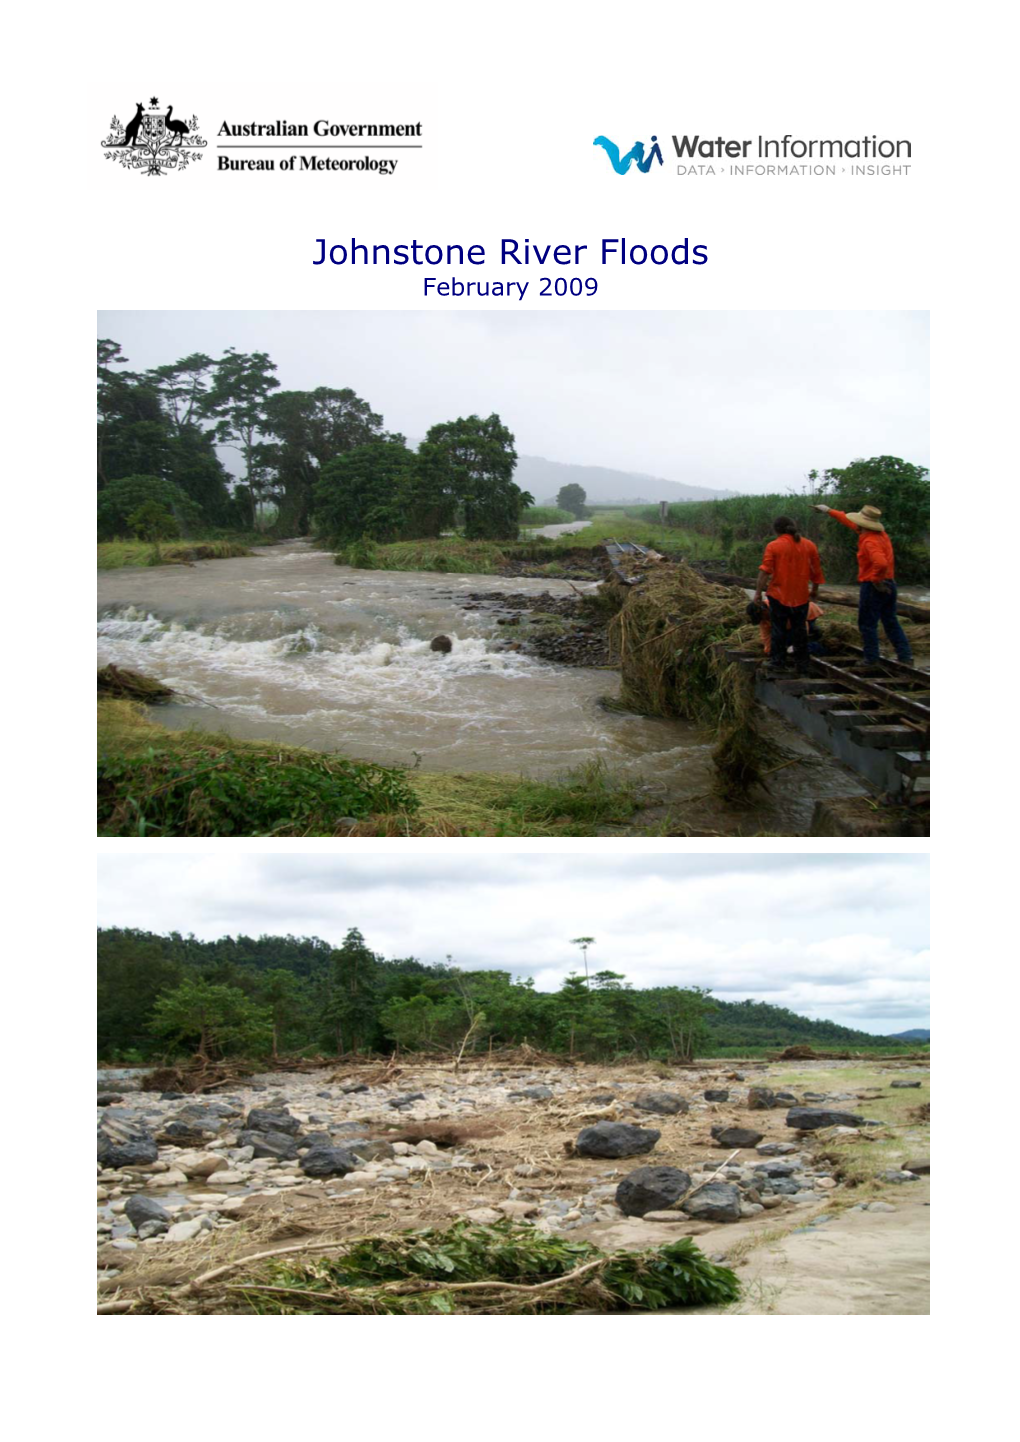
866, 518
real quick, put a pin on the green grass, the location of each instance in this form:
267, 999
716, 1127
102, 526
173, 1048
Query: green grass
114, 555
158, 782
489, 558
446, 553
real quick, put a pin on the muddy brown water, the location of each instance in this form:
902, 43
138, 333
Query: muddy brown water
285, 645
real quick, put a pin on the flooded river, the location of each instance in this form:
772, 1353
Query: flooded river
286, 645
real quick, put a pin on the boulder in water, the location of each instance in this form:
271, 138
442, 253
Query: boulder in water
441, 643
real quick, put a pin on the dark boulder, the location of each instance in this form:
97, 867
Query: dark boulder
602, 1099
714, 1202
108, 1099
259, 1120
906, 1084
615, 1139
378, 1151
186, 1134
760, 1099
441, 643
717, 1095
810, 1119
349, 1091
777, 1169
666, 1103
124, 1144
736, 1136
328, 1162
279, 1145
140, 1210
651, 1189
534, 1094
775, 1149
314, 1139
407, 1099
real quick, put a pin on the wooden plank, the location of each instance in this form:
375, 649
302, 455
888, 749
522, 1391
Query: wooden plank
884, 737
846, 720
916, 710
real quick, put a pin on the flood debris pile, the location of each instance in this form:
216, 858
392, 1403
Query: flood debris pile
209, 1202
469, 1268
667, 638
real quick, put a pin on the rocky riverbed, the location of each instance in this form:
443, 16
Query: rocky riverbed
711, 1153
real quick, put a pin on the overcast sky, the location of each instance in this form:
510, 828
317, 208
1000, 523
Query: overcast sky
838, 937
740, 400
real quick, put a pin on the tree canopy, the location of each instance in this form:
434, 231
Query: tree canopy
259, 996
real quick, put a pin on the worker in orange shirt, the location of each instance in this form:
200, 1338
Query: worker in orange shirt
875, 572
790, 574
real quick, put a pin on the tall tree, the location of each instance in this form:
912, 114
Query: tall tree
236, 402
350, 1012
468, 464
572, 498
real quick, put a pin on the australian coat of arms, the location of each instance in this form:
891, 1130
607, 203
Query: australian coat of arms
154, 140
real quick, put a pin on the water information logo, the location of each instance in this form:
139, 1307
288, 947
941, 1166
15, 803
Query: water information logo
636, 154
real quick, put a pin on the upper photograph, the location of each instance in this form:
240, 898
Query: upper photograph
380, 573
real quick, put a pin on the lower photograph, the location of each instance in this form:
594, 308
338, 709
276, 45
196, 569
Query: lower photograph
542, 1084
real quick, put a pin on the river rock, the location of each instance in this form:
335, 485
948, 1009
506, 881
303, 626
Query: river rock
406, 1099
261, 1120
715, 1202
717, 1094
329, 1162
775, 1149
372, 1151
108, 1099
666, 1103
736, 1136
760, 1099
186, 1231
534, 1094
895, 1176
777, 1169
615, 1139
921, 1167
140, 1210
276, 1145
134, 1150
809, 1119
186, 1134
441, 643
200, 1164
651, 1189
350, 1090
906, 1084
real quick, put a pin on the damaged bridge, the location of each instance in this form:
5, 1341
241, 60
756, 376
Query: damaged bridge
874, 717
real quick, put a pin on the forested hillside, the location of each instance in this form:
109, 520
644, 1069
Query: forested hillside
268, 995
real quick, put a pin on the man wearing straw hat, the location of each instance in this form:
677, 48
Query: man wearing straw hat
875, 572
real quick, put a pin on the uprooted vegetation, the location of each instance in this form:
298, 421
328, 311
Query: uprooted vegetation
492, 1270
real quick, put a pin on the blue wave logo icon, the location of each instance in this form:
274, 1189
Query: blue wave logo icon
636, 154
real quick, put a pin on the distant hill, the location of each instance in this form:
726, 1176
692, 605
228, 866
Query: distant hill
917, 1033
601, 484
544, 478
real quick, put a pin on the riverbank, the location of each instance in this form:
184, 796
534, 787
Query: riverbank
115, 555
287, 1162
158, 782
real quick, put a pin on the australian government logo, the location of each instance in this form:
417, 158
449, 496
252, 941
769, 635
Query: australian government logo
154, 141
787, 155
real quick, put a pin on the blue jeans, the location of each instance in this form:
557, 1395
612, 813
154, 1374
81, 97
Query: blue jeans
873, 607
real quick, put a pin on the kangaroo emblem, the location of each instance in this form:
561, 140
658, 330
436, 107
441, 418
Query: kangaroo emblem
132, 128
